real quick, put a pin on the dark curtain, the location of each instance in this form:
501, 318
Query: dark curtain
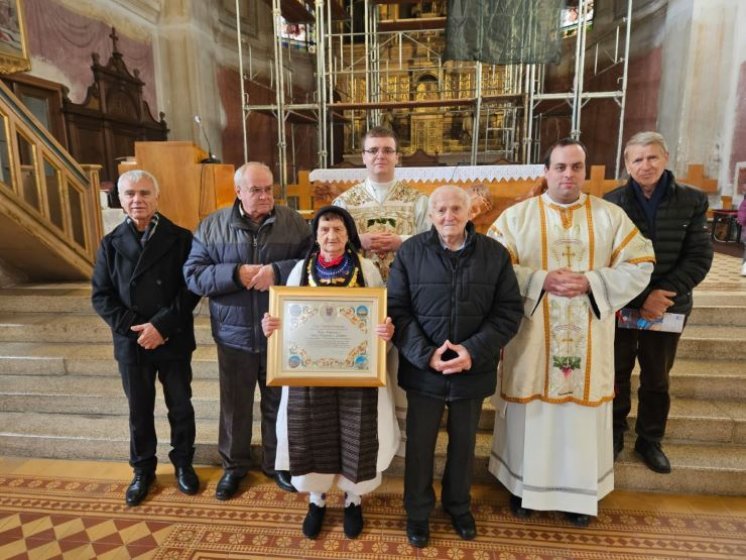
504, 31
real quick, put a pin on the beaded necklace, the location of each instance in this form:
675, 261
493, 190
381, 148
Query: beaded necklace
341, 272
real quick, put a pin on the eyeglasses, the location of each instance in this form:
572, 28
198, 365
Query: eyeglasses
384, 151
256, 191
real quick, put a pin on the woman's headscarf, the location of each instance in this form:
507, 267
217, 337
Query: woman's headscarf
353, 272
353, 239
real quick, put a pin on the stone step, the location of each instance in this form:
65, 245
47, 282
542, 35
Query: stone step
71, 327
690, 420
718, 316
697, 468
93, 436
698, 341
700, 421
701, 379
707, 297
703, 342
74, 297
70, 394
42, 358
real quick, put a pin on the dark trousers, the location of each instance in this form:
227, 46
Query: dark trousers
423, 421
656, 352
138, 381
239, 373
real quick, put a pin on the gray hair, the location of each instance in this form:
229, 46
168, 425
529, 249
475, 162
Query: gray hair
238, 176
648, 138
135, 176
465, 198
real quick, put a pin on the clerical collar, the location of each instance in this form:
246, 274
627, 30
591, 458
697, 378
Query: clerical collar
549, 200
380, 190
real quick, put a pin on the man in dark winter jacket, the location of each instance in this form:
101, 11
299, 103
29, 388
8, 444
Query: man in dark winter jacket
454, 300
673, 217
139, 290
238, 253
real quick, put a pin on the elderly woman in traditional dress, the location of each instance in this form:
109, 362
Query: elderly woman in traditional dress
346, 435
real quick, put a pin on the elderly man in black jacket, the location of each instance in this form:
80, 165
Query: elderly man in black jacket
139, 290
454, 299
673, 217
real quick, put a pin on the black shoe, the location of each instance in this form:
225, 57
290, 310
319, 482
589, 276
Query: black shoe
418, 533
186, 480
618, 445
228, 485
517, 509
282, 478
139, 487
353, 521
652, 455
465, 526
313, 521
578, 519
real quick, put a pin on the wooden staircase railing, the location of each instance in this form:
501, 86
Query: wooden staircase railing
50, 215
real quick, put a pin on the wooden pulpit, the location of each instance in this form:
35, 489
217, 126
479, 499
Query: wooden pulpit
190, 190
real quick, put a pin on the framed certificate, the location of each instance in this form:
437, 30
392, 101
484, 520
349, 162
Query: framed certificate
327, 337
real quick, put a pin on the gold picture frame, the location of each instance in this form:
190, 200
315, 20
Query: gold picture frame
13, 41
327, 337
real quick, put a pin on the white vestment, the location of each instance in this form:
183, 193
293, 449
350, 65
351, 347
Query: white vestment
553, 436
388, 428
399, 209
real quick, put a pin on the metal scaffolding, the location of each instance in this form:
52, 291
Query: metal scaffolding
345, 56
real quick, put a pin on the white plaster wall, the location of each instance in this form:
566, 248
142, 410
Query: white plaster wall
675, 64
725, 175
702, 54
706, 83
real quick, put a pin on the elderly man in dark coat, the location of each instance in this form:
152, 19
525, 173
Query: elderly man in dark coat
139, 290
454, 300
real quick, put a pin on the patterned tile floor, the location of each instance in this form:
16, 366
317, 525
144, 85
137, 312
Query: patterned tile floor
75, 510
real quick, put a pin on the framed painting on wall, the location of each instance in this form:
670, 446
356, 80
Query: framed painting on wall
13, 42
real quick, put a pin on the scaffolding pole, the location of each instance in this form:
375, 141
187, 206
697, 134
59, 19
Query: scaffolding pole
320, 83
244, 110
623, 101
280, 98
340, 63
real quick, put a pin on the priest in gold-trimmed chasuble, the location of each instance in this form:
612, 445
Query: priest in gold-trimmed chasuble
578, 260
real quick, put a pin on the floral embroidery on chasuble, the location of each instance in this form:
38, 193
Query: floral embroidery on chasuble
395, 215
565, 244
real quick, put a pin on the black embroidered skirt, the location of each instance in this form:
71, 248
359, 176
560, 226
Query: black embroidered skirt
333, 430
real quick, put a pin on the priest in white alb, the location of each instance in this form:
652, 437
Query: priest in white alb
578, 260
